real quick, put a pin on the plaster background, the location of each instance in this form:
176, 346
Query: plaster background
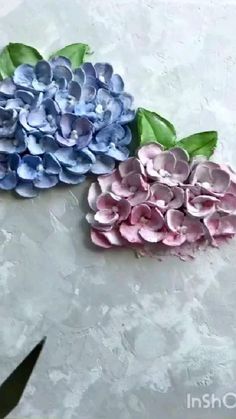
127, 338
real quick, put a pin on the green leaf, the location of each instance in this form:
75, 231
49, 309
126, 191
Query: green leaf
152, 127
15, 54
202, 143
75, 52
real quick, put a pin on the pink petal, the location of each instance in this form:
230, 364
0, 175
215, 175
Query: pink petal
230, 171
180, 154
106, 181
195, 229
138, 198
95, 224
232, 188
227, 204
174, 219
151, 172
151, 236
149, 152
160, 194
136, 180
93, 194
113, 237
106, 217
165, 161
138, 212
131, 165
107, 201
156, 220
130, 233
98, 238
172, 239
121, 189
124, 208
201, 174
220, 180
227, 225
178, 198
181, 171
212, 223
201, 206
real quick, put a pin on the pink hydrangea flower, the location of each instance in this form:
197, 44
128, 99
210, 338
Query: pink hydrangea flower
211, 178
145, 223
164, 197
182, 228
169, 167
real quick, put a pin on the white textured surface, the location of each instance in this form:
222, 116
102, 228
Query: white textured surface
127, 338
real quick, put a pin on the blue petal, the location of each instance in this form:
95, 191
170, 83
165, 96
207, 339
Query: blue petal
79, 76
66, 122
62, 72
104, 72
126, 100
115, 107
23, 120
98, 147
16, 104
43, 72
49, 144
104, 164
68, 142
51, 107
66, 156
127, 117
61, 97
127, 137
117, 83
7, 87
70, 178
89, 70
25, 96
35, 145
111, 133
88, 154
103, 97
75, 90
60, 61
45, 181
14, 161
37, 117
26, 189
88, 93
24, 75
80, 168
8, 182
51, 164
28, 167
84, 129
119, 154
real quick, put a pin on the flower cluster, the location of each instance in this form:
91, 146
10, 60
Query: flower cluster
58, 125
163, 197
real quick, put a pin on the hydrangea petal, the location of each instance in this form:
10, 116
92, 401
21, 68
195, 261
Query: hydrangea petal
70, 178
8, 182
149, 152
103, 165
26, 189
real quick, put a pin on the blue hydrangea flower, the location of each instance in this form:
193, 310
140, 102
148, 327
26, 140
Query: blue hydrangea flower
59, 124
74, 131
39, 172
112, 141
74, 163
